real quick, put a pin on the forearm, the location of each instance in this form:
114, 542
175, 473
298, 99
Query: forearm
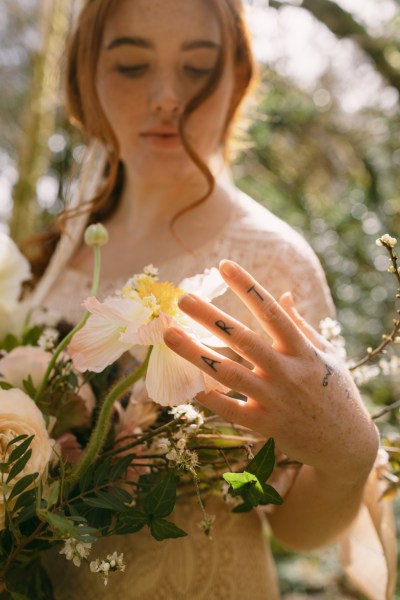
316, 510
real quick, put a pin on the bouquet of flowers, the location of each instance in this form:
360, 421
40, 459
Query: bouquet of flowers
98, 432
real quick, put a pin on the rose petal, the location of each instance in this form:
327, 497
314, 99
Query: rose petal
207, 285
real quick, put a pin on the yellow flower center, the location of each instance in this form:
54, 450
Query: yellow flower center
156, 295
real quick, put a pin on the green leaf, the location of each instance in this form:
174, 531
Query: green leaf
27, 513
19, 466
9, 342
242, 508
131, 522
106, 501
25, 499
121, 467
29, 388
22, 485
101, 472
270, 495
53, 494
20, 449
161, 500
123, 495
32, 335
238, 481
16, 440
263, 463
5, 386
161, 529
59, 523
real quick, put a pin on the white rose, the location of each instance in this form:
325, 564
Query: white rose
23, 361
14, 269
19, 415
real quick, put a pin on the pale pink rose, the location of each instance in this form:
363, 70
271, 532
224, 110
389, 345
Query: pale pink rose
19, 415
17, 365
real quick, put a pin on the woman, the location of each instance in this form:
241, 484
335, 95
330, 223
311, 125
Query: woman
157, 83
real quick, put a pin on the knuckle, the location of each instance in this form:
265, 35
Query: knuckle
273, 312
245, 341
234, 378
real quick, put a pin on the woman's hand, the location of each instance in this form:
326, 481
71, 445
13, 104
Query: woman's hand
299, 391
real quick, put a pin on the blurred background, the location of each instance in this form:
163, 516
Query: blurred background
320, 147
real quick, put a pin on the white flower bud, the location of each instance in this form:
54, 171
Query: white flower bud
96, 235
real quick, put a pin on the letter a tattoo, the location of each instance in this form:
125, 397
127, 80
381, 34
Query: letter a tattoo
224, 327
253, 289
210, 362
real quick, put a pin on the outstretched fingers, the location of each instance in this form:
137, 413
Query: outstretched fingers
286, 336
231, 374
249, 345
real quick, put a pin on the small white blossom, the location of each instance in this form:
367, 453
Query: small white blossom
386, 240
329, 328
188, 413
76, 551
181, 443
389, 366
185, 459
160, 445
364, 373
114, 562
206, 525
48, 339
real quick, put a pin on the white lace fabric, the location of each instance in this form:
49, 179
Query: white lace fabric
237, 563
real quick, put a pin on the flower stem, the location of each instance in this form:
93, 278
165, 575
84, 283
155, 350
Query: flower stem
64, 343
99, 434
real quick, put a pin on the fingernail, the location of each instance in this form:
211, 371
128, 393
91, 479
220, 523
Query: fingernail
173, 336
228, 268
187, 300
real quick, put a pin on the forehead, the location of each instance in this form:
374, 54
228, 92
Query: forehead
163, 20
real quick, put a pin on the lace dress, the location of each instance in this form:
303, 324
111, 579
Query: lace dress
236, 563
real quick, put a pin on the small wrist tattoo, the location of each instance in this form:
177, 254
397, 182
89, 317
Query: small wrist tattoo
211, 363
329, 373
224, 327
253, 289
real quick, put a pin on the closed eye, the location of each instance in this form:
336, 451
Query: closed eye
132, 70
197, 72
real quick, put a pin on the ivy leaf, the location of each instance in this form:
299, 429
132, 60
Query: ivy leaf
161, 529
263, 463
238, 481
161, 500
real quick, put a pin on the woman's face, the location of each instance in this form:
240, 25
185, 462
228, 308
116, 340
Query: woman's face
155, 56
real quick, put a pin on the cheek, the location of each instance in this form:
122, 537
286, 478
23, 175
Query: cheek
115, 97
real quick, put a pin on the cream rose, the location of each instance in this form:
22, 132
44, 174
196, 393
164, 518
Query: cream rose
23, 361
19, 415
14, 270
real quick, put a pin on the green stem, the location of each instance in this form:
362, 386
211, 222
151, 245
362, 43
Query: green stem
99, 434
64, 343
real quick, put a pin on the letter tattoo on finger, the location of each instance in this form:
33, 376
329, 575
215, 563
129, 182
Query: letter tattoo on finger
253, 289
224, 327
211, 363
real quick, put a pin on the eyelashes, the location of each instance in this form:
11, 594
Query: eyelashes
139, 70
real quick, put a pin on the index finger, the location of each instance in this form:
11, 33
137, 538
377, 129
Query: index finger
275, 321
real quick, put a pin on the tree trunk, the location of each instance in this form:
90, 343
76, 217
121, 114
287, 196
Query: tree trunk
38, 123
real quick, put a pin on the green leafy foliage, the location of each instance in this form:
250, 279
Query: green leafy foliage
251, 484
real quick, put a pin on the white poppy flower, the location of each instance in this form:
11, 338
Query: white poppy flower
139, 315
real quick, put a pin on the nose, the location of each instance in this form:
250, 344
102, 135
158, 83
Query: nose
166, 95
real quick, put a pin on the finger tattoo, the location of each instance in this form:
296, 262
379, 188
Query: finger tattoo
253, 289
211, 363
224, 327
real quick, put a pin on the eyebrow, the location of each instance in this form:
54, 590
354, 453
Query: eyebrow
140, 42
